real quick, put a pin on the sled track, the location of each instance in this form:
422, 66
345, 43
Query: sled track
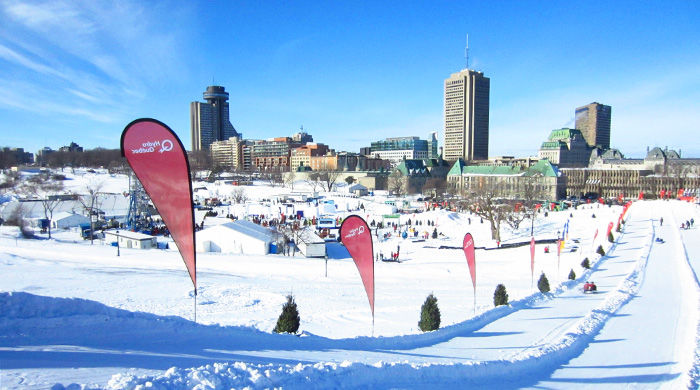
543, 357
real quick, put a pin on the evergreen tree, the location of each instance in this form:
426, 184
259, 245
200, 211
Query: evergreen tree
585, 263
610, 237
435, 233
600, 250
429, 314
543, 284
500, 296
572, 275
288, 322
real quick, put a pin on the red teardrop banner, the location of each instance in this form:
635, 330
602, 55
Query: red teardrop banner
357, 238
159, 161
468, 246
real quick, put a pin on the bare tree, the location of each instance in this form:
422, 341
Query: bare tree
434, 186
48, 189
485, 200
533, 193
396, 183
289, 179
328, 179
8, 181
313, 179
238, 195
91, 202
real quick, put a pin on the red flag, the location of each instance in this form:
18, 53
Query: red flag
532, 257
159, 161
595, 235
610, 226
641, 195
468, 246
355, 235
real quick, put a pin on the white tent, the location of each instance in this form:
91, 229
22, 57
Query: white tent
66, 220
240, 236
310, 243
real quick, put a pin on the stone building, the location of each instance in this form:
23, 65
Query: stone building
545, 179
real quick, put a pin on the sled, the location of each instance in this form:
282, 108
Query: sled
590, 288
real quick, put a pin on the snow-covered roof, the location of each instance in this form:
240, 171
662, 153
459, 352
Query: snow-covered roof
129, 234
246, 227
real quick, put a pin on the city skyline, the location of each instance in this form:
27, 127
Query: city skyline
346, 72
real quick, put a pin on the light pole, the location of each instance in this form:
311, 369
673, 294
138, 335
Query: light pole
117, 243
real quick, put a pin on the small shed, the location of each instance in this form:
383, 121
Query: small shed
239, 236
311, 244
66, 220
358, 189
129, 239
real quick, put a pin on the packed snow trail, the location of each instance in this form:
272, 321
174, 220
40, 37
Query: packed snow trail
649, 342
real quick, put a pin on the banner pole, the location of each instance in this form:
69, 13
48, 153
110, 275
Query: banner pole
195, 305
474, 300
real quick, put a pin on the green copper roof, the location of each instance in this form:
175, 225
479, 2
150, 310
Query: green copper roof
411, 166
456, 168
563, 133
542, 167
552, 144
491, 170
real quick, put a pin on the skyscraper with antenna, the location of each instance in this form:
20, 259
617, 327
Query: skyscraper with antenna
466, 106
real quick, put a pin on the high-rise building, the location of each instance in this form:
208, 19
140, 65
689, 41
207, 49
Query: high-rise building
209, 121
467, 116
397, 148
594, 122
227, 153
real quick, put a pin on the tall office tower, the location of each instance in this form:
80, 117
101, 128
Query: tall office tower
209, 121
594, 122
467, 116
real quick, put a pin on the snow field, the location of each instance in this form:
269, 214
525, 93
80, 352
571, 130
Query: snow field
144, 328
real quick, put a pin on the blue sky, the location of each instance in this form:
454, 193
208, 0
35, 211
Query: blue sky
349, 72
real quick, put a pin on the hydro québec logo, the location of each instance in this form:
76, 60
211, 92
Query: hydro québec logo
153, 146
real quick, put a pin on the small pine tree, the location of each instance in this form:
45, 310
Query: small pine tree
600, 250
435, 233
500, 296
610, 237
572, 275
585, 263
619, 228
429, 314
543, 284
288, 322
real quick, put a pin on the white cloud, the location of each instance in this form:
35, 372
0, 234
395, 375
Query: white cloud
19, 59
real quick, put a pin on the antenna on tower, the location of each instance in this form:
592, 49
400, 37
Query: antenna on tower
466, 52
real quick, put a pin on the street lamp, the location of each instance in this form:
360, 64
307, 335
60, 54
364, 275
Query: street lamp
117, 243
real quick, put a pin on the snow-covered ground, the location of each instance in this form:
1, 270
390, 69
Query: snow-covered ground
71, 312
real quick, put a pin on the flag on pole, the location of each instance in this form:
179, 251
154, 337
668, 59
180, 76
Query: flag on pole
160, 162
355, 235
468, 247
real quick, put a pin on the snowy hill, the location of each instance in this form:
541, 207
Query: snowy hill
71, 312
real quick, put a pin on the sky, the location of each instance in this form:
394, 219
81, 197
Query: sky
349, 72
